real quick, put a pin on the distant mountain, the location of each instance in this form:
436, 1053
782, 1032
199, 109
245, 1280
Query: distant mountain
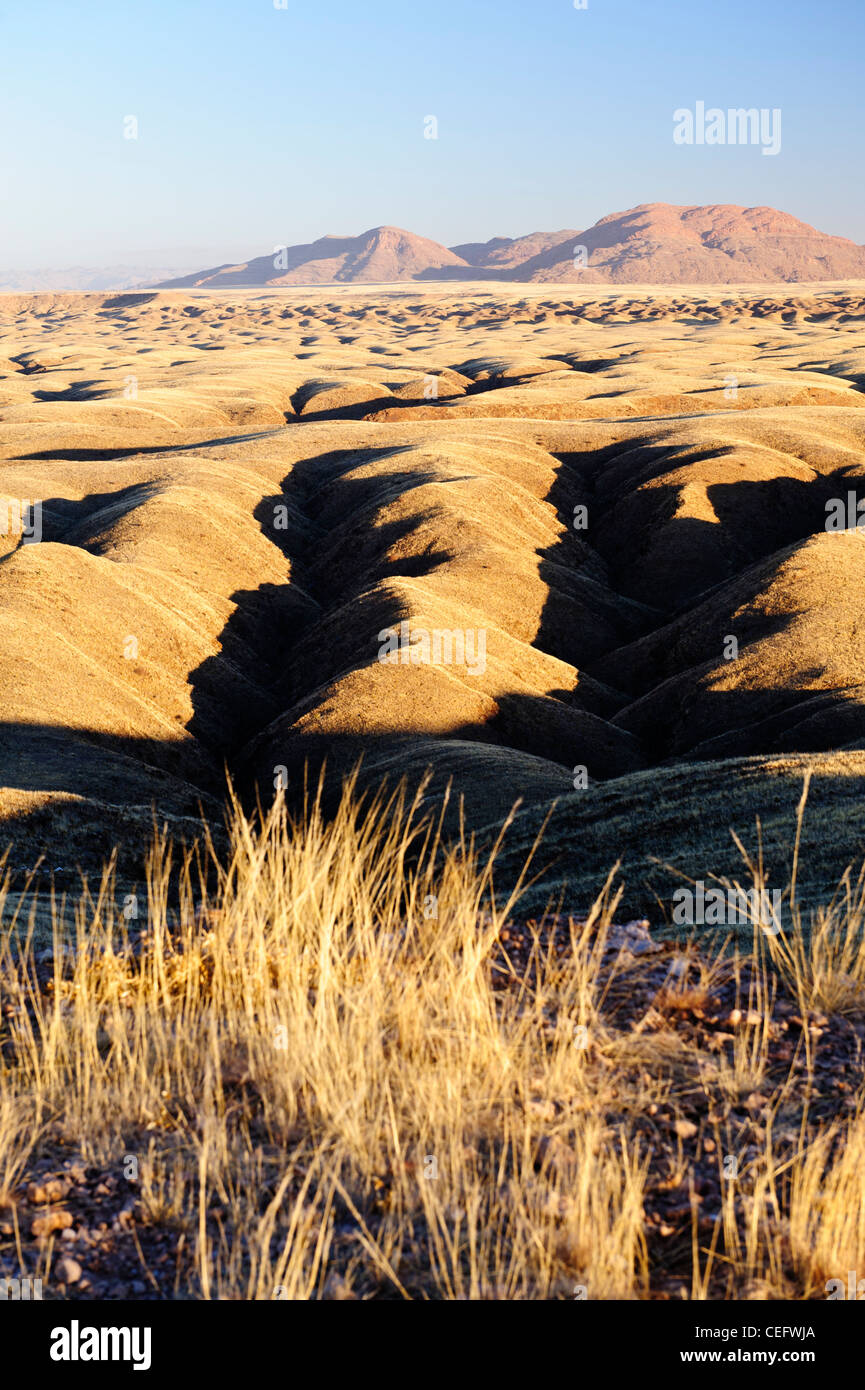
83, 278
656, 243
506, 253
381, 255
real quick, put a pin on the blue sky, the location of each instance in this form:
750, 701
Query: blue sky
260, 126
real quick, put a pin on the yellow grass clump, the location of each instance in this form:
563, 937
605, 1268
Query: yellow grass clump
319, 1077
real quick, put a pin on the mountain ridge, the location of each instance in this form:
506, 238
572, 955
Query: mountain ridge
663, 243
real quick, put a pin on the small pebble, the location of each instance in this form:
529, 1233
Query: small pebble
68, 1271
51, 1221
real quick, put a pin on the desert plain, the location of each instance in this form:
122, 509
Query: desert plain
612, 492
582, 560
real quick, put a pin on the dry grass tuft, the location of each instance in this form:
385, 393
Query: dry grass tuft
323, 1074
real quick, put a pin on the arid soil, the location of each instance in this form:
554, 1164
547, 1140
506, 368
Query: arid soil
614, 505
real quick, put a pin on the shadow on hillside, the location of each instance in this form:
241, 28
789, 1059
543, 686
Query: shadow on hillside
100, 455
341, 556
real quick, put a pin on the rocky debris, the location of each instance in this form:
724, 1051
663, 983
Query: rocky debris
68, 1271
633, 937
51, 1221
52, 1190
693, 1010
106, 1246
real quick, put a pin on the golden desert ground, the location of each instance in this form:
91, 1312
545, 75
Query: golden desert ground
328, 1048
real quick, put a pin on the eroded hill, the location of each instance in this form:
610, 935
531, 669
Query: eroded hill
564, 548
